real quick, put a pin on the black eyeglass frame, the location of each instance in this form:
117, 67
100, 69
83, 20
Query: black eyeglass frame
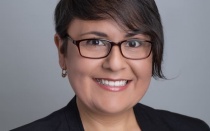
77, 42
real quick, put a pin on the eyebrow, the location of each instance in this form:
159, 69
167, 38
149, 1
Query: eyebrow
101, 34
133, 33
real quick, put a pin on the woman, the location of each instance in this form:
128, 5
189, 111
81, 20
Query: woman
109, 50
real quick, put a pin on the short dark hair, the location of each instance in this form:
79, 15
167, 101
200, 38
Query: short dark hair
136, 15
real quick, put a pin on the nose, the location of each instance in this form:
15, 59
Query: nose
114, 61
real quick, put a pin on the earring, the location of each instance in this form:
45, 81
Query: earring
64, 73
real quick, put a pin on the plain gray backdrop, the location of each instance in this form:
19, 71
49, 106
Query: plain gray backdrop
31, 86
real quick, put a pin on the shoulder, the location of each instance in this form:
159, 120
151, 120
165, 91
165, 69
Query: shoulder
64, 119
169, 120
49, 123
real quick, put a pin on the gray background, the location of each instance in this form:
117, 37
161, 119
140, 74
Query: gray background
31, 86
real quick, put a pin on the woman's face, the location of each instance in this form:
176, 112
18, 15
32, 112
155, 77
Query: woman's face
84, 74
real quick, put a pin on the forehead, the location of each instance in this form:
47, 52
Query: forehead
106, 24
105, 28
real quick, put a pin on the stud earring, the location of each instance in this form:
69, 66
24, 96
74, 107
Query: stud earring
64, 73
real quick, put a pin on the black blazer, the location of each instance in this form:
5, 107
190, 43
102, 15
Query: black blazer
149, 119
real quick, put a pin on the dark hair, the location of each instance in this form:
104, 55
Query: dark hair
136, 15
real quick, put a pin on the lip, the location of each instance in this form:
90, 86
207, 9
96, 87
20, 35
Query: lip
112, 88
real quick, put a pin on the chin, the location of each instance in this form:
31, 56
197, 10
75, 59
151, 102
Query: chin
113, 106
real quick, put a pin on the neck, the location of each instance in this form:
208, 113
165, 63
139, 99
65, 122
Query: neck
98, 121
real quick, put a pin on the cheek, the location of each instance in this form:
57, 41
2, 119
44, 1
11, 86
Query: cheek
143, 74
142, 68
79, 72
71, 56
75, 63
80, 69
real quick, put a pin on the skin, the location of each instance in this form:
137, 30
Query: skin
102, 109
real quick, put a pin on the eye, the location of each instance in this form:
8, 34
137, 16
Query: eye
95, 42
134, 43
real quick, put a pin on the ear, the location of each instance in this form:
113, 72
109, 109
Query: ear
58, 42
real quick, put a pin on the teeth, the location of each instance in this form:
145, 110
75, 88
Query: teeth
112, 83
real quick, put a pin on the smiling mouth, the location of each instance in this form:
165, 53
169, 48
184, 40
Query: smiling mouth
116, 83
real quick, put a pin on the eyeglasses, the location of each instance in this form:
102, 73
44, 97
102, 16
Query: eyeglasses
134, 49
